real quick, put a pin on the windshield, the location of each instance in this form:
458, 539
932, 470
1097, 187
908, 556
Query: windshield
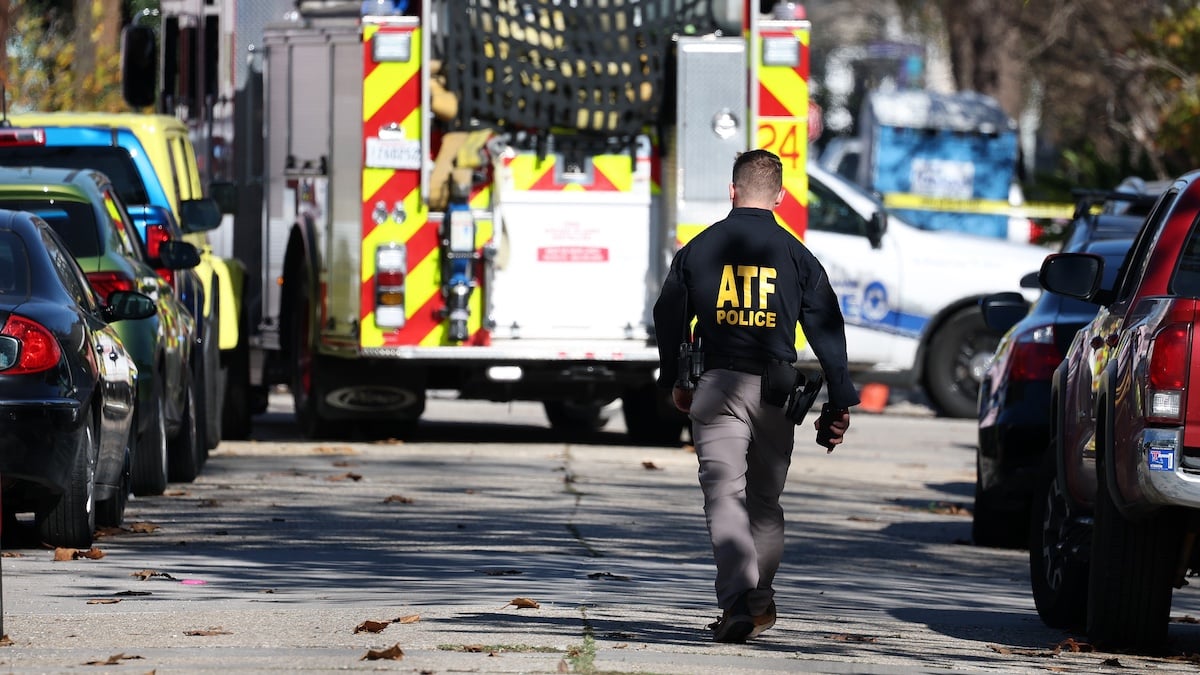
112, 162
14, 268
75, 223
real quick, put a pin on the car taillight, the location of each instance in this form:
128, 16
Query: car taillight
10, 136
38, 349
106, 282
1034, 356
1167, 373
155, 236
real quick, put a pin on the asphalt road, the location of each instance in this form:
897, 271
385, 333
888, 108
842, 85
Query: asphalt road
296, 556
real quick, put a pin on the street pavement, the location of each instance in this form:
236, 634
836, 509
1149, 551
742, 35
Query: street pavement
489, 543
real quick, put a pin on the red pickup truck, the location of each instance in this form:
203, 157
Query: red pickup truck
1115, 525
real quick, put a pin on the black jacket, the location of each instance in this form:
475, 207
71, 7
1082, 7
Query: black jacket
748, 281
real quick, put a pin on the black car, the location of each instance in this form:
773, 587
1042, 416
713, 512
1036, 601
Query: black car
67, 387
1014, 399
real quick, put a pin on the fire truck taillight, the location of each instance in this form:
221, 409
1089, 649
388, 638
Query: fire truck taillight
1167, 374
391, 268
10, 136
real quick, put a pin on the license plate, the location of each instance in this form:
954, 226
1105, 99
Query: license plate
393, 154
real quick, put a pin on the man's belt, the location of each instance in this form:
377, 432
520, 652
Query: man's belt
740, 364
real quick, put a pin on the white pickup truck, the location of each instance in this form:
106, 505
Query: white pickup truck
911, 297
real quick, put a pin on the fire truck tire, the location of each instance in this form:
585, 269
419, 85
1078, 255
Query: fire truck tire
305, 380
650, 417
957, 356
576, 415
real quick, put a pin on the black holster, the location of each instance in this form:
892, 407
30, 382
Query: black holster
778, 380
803, 395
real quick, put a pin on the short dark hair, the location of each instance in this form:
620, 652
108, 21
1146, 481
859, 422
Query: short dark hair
758, 173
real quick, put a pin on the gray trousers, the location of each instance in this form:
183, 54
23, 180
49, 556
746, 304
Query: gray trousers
745, 448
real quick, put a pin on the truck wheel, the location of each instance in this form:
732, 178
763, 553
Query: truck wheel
111, 512
958, 355
1058, 552
576, 415
184, 453
1132, 568
71, 520
304, 382
237, 410
994, 526
150, 459
650, 418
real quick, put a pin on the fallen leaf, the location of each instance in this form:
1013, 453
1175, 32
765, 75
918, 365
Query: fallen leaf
371, 626
207, 632
61, 554
345, 463
176, 493
334, 450
948, 509
113, 660
523, 603
608, 575
407, 618
146, 574
397, 499
651, 466
103, 532
501, 573
5, 641
393, 653
11, 554
475, 649
103, 601
143, 528
345, 476
1074, 646
134, 593
1114, 662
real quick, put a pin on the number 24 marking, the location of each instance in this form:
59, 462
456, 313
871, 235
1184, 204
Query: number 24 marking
788, 144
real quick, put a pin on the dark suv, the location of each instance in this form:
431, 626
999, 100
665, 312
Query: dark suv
1120, 510
1014, 394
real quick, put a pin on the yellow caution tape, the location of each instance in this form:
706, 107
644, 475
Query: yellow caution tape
898, 200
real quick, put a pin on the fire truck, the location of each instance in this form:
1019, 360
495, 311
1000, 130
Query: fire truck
474, 196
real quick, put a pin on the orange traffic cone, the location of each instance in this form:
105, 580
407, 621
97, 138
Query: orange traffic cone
873, 397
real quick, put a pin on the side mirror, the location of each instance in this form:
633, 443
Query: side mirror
1002, 311
876, 227
199, 215
122, 305
139, 66
1075, 275
178, 255
226, 194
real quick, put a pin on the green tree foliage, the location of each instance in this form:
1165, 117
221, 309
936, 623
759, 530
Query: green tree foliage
65, 54
1169, 53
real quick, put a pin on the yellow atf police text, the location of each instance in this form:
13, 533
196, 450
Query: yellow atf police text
742, 299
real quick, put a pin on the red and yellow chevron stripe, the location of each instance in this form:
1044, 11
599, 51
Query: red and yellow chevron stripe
782, 116
528, 173
392, 101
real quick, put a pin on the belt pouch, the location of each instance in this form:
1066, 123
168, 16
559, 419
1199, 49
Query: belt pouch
778, 378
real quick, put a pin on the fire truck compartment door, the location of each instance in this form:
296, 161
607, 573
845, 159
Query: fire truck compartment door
575, 267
